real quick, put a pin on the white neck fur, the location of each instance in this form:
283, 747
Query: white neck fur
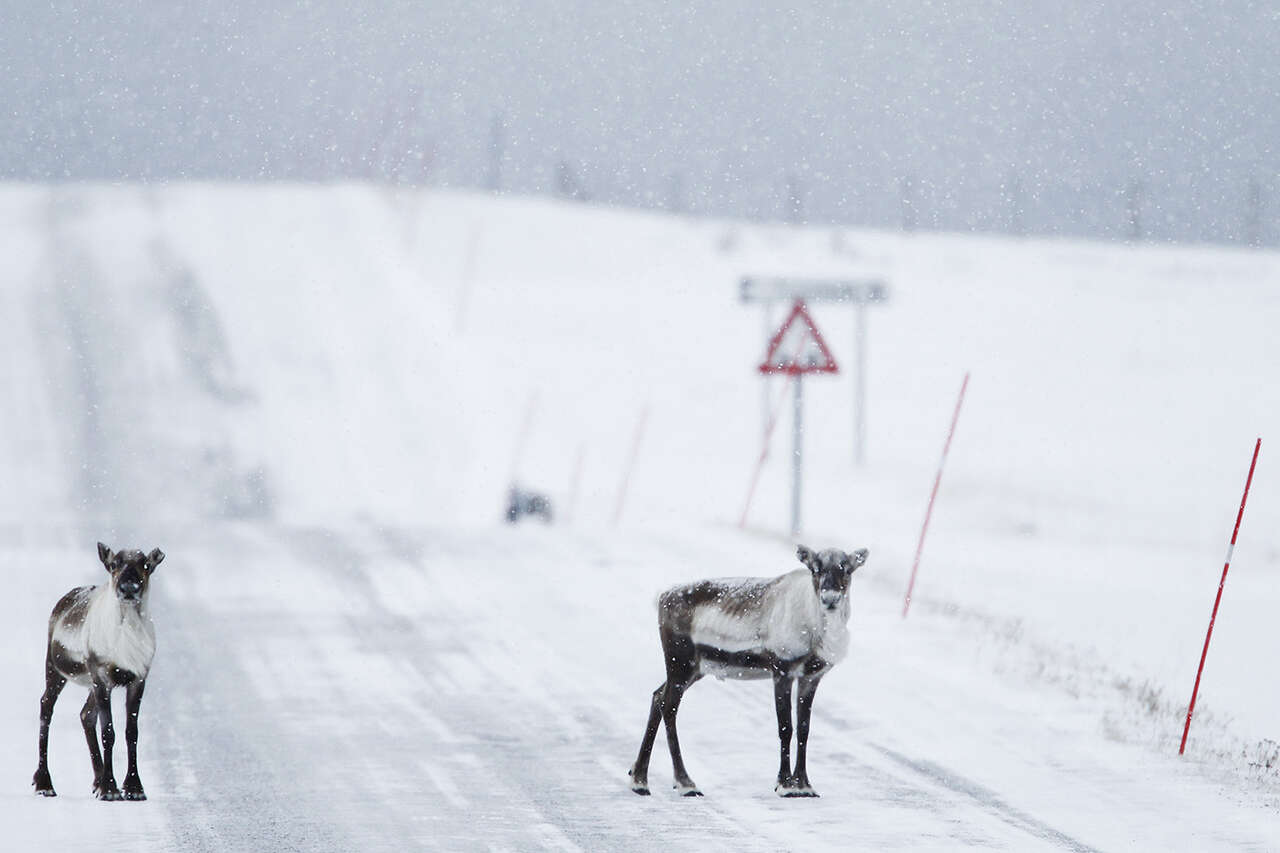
120, 633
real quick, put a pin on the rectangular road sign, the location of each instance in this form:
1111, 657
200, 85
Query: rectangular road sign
849, 291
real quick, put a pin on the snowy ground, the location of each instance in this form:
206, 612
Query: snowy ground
312, 399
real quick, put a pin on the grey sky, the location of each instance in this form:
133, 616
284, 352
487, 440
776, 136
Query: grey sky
997, 114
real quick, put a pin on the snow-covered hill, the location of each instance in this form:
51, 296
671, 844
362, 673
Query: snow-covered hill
314, 398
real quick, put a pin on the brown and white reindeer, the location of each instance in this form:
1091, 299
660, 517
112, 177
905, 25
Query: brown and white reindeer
102, 637
791, 628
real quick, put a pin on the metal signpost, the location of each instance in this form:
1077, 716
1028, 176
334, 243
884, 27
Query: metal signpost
856, 292
797, 348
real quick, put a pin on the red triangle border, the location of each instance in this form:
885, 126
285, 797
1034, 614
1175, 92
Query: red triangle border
774, 364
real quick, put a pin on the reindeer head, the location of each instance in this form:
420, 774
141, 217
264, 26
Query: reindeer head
831, 570
130, 571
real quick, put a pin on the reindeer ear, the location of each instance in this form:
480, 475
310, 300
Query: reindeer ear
155, 558
105, 555
808, 558
859, 557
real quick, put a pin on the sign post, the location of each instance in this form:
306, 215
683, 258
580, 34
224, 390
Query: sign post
856, 292
797, 348
797, 448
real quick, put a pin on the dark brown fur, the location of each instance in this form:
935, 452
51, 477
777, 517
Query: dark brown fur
676, 606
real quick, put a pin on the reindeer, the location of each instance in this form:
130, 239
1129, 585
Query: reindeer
793, 627
101, 637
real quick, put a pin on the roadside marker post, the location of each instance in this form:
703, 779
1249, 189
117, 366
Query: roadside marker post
631, 464
575, 482
1218, 599
771, 422
928, 513
466, 283
522, 437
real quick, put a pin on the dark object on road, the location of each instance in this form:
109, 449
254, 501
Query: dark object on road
521, 503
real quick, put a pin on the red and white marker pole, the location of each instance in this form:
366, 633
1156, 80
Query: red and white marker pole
575, 482
764, 451
467, 283
631, 464
915, 565
522, 438
1218, 600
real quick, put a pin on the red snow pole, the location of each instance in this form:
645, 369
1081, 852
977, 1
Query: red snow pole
530, 409
915, 565
631, 464
775, 410
575, 482
467, 283
1218, 600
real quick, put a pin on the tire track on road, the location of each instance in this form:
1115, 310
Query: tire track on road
230, 765
544, 748
984, 797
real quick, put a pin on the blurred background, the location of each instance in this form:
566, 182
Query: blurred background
1135, 121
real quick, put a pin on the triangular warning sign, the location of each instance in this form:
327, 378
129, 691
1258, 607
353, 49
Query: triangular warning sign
798, 347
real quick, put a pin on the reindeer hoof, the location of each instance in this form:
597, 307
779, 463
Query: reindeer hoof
638, 785
794, 788
110, 794
689, 790
43, 784
133, 788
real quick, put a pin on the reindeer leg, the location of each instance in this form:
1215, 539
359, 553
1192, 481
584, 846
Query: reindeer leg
107, 789
53, 684
640, 770
89, 719
782, 703
670, 706
133, 699
804, 708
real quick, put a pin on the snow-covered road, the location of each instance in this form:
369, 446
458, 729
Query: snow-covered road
355, 654
383, 689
